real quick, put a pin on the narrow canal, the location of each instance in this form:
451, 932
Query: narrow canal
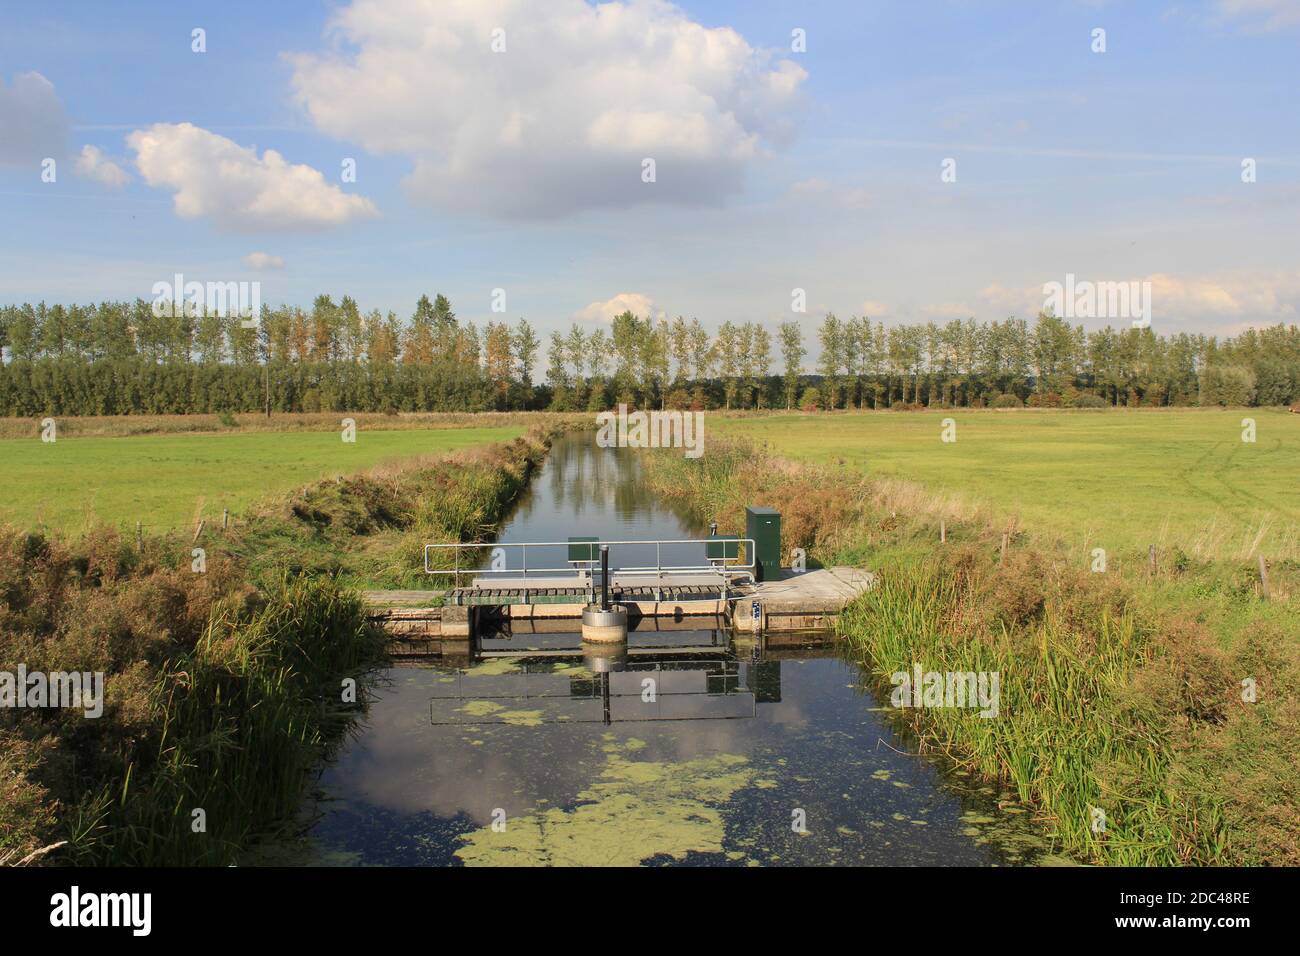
741, 757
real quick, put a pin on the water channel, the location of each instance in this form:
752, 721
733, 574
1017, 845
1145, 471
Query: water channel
743, 755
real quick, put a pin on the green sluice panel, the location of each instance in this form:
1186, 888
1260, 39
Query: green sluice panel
580, 550
723, 546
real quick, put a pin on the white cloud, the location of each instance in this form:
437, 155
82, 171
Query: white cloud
561, 121
262, 262
32, 122
1249, 298
93, 164
635, 302
215, 177
1178, 302
1263, 16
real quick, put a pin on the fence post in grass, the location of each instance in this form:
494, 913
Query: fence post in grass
199, 530
1151, 560
139, 536
1263, 576
225, 518
943, 532
1002, 557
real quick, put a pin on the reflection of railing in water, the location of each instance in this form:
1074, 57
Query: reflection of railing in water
723, 681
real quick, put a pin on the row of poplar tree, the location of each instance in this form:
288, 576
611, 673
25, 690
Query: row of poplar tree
122, 358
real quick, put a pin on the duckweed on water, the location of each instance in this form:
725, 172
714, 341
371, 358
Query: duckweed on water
636, 810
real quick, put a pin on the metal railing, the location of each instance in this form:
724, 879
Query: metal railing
586, 571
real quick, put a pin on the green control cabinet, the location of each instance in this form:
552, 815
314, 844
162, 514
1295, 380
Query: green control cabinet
764, 526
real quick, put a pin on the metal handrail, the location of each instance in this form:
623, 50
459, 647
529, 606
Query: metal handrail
722, 568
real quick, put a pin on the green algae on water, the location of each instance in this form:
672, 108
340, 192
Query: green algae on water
636, 810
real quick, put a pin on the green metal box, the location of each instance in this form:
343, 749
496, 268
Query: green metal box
723, 547
764, 526
581, 551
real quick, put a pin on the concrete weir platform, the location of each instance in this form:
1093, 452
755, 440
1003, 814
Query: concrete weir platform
797, 601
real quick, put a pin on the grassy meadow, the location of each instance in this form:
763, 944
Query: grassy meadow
171, 479
1121, 480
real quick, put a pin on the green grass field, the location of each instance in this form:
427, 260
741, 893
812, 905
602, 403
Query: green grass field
169, 481
1105, 479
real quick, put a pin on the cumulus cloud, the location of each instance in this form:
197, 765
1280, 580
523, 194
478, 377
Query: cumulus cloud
1230, 300
33, 124
215, 177
262, 262
93, 164
1244, 298
635, 302
561, 120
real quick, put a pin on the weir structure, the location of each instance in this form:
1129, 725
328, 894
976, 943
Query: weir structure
614, 592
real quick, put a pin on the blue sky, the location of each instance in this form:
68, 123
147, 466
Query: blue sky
776, 169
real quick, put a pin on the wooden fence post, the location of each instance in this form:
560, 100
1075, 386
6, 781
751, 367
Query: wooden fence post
1263, 576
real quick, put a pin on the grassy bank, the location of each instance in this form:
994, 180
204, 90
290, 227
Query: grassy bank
223, 689
1119, 691
369, 529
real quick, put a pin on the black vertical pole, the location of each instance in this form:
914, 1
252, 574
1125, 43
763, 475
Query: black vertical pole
604, 577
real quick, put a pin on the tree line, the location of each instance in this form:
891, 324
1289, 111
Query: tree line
125, 358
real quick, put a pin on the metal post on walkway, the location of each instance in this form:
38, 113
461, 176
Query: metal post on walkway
604, 577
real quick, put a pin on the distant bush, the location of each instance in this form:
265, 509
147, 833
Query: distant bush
1227, 385
1007, 401
678, 398
810, 400
1089, 400
227, 419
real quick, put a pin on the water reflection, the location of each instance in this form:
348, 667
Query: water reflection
710, 763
